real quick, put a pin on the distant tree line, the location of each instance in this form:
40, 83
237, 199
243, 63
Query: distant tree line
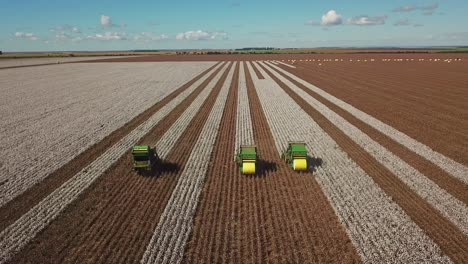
145, 50
256, 48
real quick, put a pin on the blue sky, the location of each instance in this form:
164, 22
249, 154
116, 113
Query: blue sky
116, 25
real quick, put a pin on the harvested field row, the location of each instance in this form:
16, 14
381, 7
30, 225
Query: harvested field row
170, 236
146, 196
450, 207
443, 179
369, 215
171, 137
63, 120
366, 197
244, 130
446, 235
243, 219
258, 74
454, 168
25, 228
23, 203
118, 188
431, 115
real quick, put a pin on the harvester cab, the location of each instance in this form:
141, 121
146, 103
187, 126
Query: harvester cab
246, 158
143, 157
296, 155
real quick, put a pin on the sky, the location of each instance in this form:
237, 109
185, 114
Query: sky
127, 25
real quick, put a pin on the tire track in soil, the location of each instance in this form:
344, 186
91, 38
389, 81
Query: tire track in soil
450, 239
113, 220
276, 216
447, 182
14, 209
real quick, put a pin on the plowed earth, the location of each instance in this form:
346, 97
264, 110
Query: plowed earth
278, 215
253, 57
425, 100
253, 219
17, 207
114, 219
442, 231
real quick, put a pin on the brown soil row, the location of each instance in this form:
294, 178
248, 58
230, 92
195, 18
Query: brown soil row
252, 57
450, 239
257, 72
277, 216
114, 219
23, 203
419, 100
451, 184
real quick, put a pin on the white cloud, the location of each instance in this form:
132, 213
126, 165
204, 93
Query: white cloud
149, 36
66, 28
405, 8
62, 36
27, 35
108, 36
106, 21
367, 20
402, 22
201, 35
331, 18
75, 30
427, 9
77, 39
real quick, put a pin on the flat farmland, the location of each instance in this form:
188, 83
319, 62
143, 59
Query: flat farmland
25, 62
387, 176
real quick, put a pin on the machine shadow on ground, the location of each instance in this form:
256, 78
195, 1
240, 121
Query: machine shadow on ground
313, 163
161, 167
264, 167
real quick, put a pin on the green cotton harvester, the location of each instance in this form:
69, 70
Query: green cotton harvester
144, 157
296, 155
246, 158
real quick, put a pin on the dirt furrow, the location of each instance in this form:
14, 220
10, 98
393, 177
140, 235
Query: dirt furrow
447, 236
422, 122
453, 186
261, 220
75, 234
165, 145
453, 209
417, 94
258, 74
211, 239
456, 169
46, 122
23, 203
170, 236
